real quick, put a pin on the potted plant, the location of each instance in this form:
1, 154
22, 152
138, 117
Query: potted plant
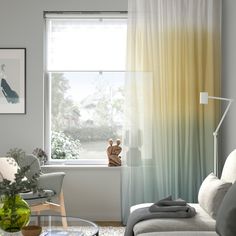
14, 211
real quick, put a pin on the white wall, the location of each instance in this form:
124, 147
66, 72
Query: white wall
91, 192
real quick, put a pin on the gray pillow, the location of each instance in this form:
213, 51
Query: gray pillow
226, 217
211, 193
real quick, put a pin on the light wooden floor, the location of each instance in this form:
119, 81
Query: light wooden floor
109, 223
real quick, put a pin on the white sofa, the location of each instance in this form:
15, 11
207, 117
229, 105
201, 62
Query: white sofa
200, 225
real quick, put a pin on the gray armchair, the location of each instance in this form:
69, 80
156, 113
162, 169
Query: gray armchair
51, 184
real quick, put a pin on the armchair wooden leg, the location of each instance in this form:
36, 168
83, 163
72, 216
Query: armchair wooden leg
53, 207
62, 209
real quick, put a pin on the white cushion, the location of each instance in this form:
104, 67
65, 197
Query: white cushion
8, 168
229, 170
211, 193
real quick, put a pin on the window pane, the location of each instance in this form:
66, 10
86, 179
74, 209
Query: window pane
86, 44
86, 110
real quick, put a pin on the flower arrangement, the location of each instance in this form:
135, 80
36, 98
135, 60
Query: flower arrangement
14, 211
20, 184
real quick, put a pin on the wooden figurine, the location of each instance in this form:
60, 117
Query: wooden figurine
113, 153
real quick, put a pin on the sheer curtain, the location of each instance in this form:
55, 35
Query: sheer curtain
173, 54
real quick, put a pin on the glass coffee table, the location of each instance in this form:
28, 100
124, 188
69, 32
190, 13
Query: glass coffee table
61, 226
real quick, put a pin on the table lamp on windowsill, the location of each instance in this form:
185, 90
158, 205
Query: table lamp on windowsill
204, 100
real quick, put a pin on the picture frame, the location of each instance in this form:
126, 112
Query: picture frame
12, 80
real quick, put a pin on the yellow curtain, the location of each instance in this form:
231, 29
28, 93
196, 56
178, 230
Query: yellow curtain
173, 53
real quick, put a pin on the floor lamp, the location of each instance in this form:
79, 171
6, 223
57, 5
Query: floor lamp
204, 100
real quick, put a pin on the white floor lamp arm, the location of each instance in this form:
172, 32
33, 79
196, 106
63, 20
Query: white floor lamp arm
215, 133
223, 116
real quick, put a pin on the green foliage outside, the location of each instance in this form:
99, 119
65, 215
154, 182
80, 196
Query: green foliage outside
64, 147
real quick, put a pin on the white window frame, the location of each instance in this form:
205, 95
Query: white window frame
47, 86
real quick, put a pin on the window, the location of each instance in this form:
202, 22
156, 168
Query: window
86, 71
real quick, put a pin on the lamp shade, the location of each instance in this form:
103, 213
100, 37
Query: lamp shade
203, 98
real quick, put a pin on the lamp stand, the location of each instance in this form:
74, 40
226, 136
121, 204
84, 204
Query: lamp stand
204, 100
215, 133
215, 154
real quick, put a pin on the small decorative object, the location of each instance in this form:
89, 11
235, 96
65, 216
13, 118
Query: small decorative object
31, 230
41, 155
14, 211
12, 80
113, 153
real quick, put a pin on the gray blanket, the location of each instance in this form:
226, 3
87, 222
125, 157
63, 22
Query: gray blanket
145, 214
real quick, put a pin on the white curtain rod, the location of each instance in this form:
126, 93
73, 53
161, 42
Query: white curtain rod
85, 14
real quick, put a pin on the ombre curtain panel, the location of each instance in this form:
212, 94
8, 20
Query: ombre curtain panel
173, 53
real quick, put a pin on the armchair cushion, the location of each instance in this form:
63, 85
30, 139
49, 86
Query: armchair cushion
211, 193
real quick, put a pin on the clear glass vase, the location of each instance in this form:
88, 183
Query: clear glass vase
14, 213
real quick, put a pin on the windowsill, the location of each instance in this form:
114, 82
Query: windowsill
78, 166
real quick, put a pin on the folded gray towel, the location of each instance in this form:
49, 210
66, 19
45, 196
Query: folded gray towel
155, 208
168, 205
